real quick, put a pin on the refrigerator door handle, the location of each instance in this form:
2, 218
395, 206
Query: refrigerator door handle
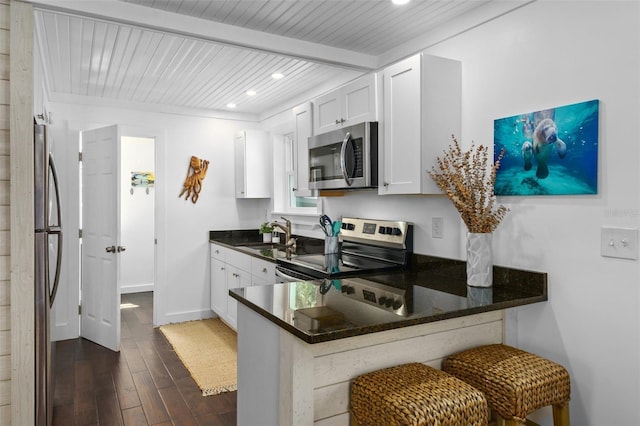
54, 174
56, 279
56, 230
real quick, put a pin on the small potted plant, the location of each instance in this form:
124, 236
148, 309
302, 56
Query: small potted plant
266, 230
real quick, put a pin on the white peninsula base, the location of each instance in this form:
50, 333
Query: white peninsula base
283, 380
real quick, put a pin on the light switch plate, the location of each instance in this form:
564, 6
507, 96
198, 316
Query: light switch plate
437, 227
619, 242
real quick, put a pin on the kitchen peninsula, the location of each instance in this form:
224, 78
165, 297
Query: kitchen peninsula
312, 338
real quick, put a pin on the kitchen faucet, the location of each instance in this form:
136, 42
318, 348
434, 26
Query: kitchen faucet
289, 242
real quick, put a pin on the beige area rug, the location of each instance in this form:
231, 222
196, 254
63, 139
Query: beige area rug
208, 349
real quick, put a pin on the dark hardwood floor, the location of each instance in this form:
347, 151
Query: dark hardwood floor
144, 384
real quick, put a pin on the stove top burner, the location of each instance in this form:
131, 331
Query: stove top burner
367, 245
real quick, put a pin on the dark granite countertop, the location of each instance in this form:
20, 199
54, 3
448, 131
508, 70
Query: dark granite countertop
434, 288
249, 241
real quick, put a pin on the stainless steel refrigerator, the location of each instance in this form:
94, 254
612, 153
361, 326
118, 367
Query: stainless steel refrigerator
48, 257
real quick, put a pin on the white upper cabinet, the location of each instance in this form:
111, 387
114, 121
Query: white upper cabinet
421, 110
347, 105
303, 130
253, 164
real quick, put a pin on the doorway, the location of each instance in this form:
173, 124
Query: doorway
118, 222
137, 214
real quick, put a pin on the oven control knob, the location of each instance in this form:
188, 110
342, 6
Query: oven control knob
382, 300
396, 231
351, 226
344, 225
397, 304
381, 230
348, 289
388, 303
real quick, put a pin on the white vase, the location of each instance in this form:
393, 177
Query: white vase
479, 260
266, 237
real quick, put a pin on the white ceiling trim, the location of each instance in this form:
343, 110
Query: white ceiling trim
160, 20
158, 108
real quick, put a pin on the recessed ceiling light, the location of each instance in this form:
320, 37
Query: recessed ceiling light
277, 75
231, 105
400, 2
251, 92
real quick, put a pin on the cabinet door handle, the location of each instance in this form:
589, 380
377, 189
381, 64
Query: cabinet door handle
386, 184
342, 120
264, 270
217, 251
337, 121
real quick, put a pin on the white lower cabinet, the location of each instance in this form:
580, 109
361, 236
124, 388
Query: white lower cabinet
262, 272
232, 269
236, 278
218, 287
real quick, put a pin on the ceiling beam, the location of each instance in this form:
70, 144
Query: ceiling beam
162, 21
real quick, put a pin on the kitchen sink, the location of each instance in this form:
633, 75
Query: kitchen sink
269, 251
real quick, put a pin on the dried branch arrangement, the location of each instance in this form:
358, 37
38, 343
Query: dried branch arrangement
463, 177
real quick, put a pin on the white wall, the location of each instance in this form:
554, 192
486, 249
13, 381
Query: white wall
553, 53
182, 284
137, 214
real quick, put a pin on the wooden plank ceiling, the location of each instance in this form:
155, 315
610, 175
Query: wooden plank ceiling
88, 57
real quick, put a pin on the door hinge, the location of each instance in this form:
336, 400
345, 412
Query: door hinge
79, 233
80, 156
79, 309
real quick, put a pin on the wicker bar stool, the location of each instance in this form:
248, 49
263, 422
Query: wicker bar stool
515, 382
415, 394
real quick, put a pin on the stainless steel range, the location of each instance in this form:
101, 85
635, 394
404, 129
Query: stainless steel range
366, 246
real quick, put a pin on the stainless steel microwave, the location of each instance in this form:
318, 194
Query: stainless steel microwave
344, 159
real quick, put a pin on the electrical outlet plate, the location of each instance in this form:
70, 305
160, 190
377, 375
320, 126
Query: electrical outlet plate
619, 242
437, 227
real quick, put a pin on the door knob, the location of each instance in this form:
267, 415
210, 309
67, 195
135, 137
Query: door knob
111, 249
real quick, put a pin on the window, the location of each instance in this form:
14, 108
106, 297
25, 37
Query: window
285, 199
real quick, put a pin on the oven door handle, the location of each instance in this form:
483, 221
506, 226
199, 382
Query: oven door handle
343, 159
287, 278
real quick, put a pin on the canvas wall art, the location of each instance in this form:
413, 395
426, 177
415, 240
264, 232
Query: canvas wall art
142, 179
549, 152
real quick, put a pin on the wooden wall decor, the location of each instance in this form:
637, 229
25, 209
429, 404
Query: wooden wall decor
195, 175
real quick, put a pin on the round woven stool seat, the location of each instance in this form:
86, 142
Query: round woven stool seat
416, 394
515, 382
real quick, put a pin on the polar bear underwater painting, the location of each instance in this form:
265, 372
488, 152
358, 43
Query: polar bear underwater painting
548, 152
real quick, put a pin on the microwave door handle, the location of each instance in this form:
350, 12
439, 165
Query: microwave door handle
343, 158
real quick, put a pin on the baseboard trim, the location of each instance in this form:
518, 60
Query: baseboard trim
175, 317
136, 288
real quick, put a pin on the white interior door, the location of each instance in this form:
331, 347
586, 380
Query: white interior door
100, 317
